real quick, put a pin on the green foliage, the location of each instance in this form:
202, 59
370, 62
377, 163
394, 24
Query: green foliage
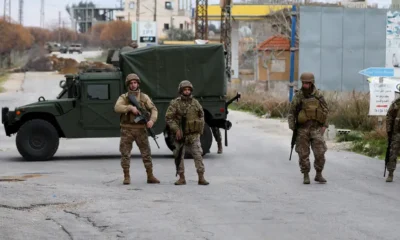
177, 34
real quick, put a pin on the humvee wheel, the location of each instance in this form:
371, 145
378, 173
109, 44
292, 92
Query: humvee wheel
37, 140
205, 139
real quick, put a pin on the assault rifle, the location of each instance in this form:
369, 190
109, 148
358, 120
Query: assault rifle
238, 95
387, 152
294, 136
182, 144
143, 117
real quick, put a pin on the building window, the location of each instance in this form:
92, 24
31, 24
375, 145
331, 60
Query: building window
98, 91
166, 26
168, 5
132, 5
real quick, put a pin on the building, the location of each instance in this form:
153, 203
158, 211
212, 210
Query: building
167, 14
274, 60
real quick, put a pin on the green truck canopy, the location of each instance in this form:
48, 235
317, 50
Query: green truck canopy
161, 68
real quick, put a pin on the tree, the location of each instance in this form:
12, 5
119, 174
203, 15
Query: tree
116, 34
177, 34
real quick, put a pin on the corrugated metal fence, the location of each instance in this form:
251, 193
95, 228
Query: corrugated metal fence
336, 43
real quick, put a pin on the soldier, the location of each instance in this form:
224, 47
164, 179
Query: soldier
217, 135
309, 110
393, 132
186, 105
135, 132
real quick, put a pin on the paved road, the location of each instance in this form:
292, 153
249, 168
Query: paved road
255, 192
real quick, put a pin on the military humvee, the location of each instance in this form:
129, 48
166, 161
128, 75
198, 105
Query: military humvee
85, 106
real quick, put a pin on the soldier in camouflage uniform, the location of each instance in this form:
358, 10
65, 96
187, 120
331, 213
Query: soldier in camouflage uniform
393, 132
309, 110
135, 132
217, 136
186, 105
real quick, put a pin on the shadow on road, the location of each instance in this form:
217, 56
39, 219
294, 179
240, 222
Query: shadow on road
134, 157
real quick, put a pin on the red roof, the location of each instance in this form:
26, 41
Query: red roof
275, 43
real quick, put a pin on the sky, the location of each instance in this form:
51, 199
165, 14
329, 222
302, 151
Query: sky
31, 16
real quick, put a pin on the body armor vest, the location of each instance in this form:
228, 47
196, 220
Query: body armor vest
311, 110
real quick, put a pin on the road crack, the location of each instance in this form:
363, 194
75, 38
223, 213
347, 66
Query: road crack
30, 207
89, 220
63, 228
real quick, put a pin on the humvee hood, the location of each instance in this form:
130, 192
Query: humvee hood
56, 107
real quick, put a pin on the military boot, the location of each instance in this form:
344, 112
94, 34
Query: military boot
390, 177
181, 180
150, 176
306, 179
127, 178
202, 181
319, 177
219, 147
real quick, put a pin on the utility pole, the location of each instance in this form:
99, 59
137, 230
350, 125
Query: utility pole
21, 11
137, 11
7, 10
59, 26
226, 31
42, 14
155, 11
201, 20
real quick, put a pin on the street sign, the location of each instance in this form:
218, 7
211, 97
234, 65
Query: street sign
147, 32
377, 72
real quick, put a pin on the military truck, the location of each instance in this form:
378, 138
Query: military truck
85, 106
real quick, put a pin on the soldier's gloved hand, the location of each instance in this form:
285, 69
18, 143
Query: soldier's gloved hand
178, 135
134, 110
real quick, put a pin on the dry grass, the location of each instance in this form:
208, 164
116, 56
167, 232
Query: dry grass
347, 110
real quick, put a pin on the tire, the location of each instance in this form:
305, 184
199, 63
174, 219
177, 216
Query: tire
40, 133
205, 139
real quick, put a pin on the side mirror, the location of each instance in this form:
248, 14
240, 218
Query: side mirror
63, 84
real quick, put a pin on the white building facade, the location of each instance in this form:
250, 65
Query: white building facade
168, 14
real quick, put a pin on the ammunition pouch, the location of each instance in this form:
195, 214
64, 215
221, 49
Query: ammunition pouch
194, 126
311, 110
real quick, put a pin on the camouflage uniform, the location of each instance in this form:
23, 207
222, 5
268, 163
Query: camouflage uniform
134, 132
189, 106
310, 111
393, 131
217, 136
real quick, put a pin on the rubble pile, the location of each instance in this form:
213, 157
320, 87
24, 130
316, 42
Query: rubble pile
62, 65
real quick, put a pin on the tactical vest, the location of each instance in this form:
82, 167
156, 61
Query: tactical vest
128, 118
193, 123
311, 109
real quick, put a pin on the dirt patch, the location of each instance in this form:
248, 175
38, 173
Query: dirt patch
61, 65
18, 178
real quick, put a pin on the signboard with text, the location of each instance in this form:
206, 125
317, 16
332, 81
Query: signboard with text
382, 94
147, 33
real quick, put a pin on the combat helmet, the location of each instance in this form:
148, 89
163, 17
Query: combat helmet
307, 77
183, 84
131, 77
